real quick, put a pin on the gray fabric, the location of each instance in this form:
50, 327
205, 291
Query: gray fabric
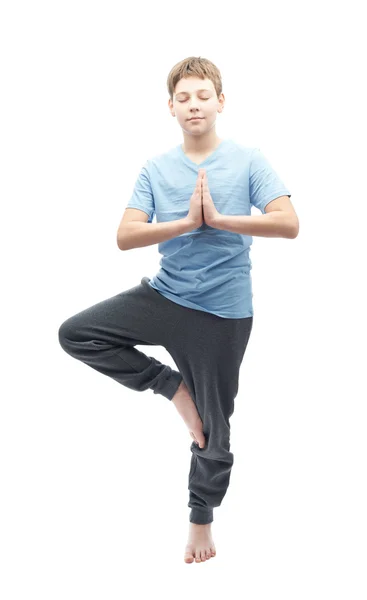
208, 351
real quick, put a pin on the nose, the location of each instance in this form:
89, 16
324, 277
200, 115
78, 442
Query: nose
193, 105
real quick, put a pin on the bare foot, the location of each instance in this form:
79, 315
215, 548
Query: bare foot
200, 545
188, 411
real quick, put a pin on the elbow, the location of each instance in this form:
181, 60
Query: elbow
292, 235
296, 230
293, 230
120, 241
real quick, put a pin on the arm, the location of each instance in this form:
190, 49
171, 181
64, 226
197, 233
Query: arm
136, 234
280, 220
134, 231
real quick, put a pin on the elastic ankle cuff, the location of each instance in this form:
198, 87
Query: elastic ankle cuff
169, 383
201, 516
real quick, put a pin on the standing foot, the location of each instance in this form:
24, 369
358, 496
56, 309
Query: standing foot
200, 545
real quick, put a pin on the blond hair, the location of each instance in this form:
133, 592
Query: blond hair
194, 66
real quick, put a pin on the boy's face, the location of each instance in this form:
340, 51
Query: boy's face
196, 97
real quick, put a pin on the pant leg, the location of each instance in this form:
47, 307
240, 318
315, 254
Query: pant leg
208, 353
103, 336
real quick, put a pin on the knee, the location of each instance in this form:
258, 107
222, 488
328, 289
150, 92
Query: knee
66, 335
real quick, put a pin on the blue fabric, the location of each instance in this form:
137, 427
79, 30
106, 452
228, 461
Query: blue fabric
207, 269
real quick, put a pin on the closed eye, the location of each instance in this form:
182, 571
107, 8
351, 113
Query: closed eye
201, 98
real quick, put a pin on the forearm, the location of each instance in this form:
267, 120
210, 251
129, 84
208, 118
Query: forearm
277, 223
137, 234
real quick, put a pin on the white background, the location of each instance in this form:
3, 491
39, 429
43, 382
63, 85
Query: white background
93, 475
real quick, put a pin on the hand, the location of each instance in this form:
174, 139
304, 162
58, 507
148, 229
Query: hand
195, 215
210, 213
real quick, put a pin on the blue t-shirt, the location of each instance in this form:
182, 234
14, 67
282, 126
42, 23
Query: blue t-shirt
207, 269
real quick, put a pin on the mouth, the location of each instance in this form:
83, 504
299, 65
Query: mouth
196, 119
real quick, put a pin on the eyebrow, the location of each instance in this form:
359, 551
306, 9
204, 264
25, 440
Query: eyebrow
202, 90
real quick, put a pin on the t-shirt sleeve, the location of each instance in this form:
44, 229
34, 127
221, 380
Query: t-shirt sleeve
142, 196
265, 183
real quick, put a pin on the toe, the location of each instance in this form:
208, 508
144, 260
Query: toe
213, 551
189, 557
203, 555
201, 439
198, 436
197, 556
208, 554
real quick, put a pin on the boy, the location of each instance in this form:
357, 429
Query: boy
199, 305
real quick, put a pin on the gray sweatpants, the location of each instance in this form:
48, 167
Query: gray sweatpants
208, 351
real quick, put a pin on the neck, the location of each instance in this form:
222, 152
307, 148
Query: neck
200, 144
